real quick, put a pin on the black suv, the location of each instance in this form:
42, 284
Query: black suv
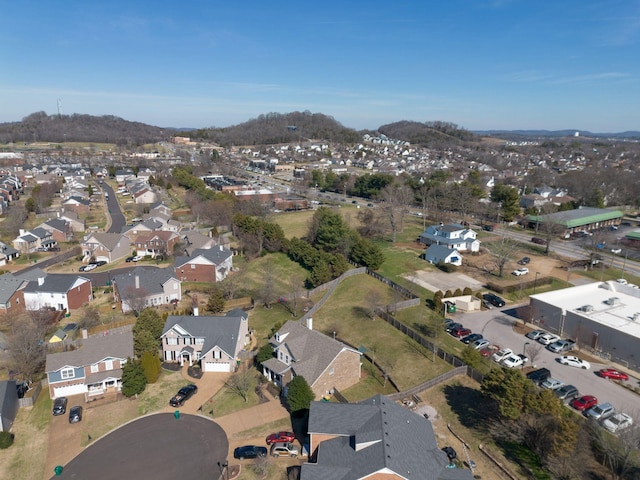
249, 451
493, 299
524, 261
539, 376
60, 406
183, 395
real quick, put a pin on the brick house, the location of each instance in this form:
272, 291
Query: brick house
59, 228
374, 439
93, 369
155, 243
214, 342
205, 265
141, 288
323, 362
11, 294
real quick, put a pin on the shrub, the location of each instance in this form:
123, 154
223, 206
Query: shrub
6, 440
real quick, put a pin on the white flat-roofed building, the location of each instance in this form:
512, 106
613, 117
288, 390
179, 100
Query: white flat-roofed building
602, 316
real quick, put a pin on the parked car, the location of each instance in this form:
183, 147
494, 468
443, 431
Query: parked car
584, 403
480, 343
493, 299
520, 271
489, 350
75, 414
129, 259
548, 338
600, 411
561, 346
524, 261
535, 334
616, 250
574, 361
452, 326
469, 339
285, 449
184, 394
280, 437
249, 451
552, 383
60, 406
137, 258
501, 355
514, 361
617, 422
613, 374
460, 332
567, 392
539, 376
99, 263
539, 241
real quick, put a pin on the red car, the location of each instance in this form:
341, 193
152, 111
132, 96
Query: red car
490, 350
613, 374
584, 403
460, 332
280, 437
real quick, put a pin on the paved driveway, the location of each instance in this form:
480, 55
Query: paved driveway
157, 447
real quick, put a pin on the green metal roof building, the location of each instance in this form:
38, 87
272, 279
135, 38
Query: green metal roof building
583, 218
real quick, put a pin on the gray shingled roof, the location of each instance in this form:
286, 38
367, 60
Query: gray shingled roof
108, 240
41, 232
54, 283
216, 255
93, 350
57, 224
311, 350
390, 437
8, 286
150, 279
216, 331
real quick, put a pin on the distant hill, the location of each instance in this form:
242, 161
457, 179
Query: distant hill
535, 134
428, 133
273, 128
81, 128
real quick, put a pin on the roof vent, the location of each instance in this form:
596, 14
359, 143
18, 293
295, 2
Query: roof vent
612, 301
586, 308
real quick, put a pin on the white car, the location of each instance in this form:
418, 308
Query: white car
622, 281
548, 338
90, 267
616, 250
137, 258
513, 361
574, 361
521, 271
617, 422
501, 355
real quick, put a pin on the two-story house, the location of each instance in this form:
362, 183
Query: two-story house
155, 243
453, 236
204, 265
93, 369
11, 294
324, 363
108, 247
59, 228
58, 291
141, 288
214, 342
374, 439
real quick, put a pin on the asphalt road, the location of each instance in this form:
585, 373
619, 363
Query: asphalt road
117, 218
497, 326
158, 447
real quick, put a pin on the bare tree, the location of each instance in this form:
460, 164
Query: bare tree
501, 251
241, 382
295, 285
267, 292
26, 347
134, 298
396, 198
372, 300
533, 351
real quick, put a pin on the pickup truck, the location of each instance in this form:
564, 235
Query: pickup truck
514, 361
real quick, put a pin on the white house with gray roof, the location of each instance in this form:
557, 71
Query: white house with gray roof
436, 254
58, 291
374, 439
325, 363
93, 369
452, 236
214, 342
146, 287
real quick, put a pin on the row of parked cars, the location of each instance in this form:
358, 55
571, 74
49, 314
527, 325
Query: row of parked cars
281, 445
551, 341
60, 408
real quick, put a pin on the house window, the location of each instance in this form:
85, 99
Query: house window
199, 341
109, 364
331, 371
193, 266
67, 373
94, 368
172, 341
175, 286
217, 354
280, 355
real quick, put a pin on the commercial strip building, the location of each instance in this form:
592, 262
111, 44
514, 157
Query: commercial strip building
581, 219
602, 316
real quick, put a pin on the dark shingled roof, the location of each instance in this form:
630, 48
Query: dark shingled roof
376, 435
92, 350
216, 331
151, 279
215, 255
54, 283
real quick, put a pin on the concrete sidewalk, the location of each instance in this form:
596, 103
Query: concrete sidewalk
253, 417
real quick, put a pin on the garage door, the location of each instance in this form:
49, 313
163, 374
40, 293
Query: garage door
216, 367
101, 258
69, 390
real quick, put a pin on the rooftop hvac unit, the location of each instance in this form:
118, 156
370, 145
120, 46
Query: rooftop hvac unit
586, 308
612, 301
636, 317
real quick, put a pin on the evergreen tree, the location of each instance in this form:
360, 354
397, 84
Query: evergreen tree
216, 301
134, 380
151, 366
299, 394
264, 354
147, 331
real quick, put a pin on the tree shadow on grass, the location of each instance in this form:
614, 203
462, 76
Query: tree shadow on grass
467, 404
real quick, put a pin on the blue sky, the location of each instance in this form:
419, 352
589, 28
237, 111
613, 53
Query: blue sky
482, 64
